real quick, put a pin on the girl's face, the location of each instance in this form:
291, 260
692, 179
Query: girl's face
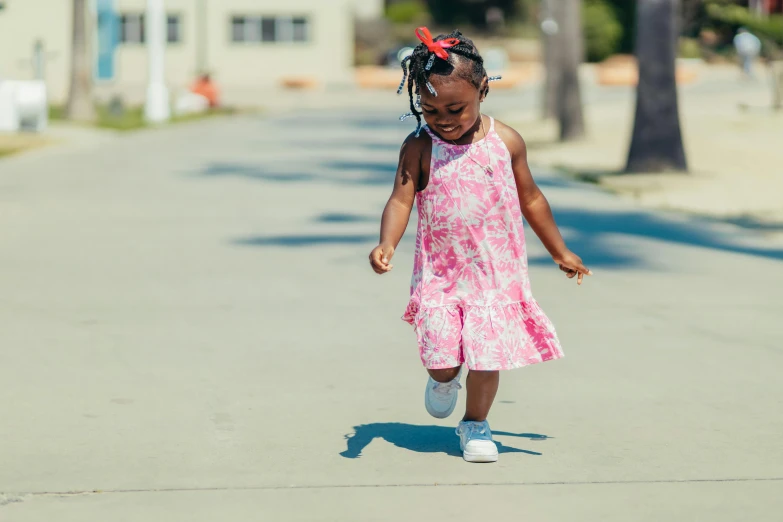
455, 110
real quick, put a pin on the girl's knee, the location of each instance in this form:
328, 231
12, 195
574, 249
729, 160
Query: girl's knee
483, 375
444, 374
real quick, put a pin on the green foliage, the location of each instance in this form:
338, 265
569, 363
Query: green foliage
602, 30
132, 118
527, 11
7, 151
694, 16
690, 48
407, 12
453, 13
625, 10
770, 27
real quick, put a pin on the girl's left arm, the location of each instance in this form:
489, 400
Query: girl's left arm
536, 209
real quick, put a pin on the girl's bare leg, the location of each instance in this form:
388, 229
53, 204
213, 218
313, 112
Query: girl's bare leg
482, 388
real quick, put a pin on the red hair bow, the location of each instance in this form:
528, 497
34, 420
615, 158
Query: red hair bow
439, 48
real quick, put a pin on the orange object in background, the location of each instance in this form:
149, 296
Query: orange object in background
206, 88
774, 6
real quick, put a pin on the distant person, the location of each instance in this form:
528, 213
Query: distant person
205, 87
471, 301
748, 48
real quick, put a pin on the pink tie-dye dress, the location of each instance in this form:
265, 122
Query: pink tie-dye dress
470, 293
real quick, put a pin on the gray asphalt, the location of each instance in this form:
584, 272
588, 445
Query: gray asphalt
189, 330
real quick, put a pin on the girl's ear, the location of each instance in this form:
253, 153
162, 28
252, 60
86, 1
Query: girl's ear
484, 90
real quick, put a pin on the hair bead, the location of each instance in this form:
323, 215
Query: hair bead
403, 63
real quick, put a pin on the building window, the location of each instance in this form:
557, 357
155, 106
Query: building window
132, 28
269, 29
300, 29
173, 28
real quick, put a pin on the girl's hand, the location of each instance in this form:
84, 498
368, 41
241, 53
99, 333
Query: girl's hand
380, 258
571, 264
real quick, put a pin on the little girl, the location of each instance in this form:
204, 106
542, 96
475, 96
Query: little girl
470, 294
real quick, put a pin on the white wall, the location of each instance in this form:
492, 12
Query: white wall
22, 22
241, 70
371, 9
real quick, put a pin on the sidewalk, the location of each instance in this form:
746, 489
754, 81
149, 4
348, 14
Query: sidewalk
732, 141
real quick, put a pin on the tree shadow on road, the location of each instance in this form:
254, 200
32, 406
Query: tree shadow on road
364, 172
752, 223
254, 172
345, 217
421, 439
377, 146
364, 120
306, 240
597, 236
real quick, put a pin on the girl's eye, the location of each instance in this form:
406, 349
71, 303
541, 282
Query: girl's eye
429, 111
456, 111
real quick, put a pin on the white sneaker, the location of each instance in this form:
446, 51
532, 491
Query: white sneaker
440, 398
475, 441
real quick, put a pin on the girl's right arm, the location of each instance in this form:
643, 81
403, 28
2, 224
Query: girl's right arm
398, 208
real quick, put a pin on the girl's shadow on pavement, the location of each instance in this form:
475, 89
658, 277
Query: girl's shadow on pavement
422, 439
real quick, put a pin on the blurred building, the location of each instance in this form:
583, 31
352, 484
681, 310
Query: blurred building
249, 46
370, 9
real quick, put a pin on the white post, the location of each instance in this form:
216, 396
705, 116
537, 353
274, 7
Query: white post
156, 110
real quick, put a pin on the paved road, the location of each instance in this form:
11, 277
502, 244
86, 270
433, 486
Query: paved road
189, 331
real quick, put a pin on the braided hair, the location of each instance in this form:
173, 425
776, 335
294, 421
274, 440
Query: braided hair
464, 62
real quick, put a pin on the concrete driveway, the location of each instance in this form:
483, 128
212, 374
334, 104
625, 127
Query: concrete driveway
189, 330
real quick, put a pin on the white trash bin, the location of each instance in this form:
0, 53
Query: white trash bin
23, 105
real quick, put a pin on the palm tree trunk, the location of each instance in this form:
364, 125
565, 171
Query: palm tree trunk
570, 51
80, 104
551, 69
776, 74
656, 144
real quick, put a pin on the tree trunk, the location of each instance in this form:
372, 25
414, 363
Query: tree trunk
776, 76
80, 104
551, 79
551, 70
656, 144
570, 52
